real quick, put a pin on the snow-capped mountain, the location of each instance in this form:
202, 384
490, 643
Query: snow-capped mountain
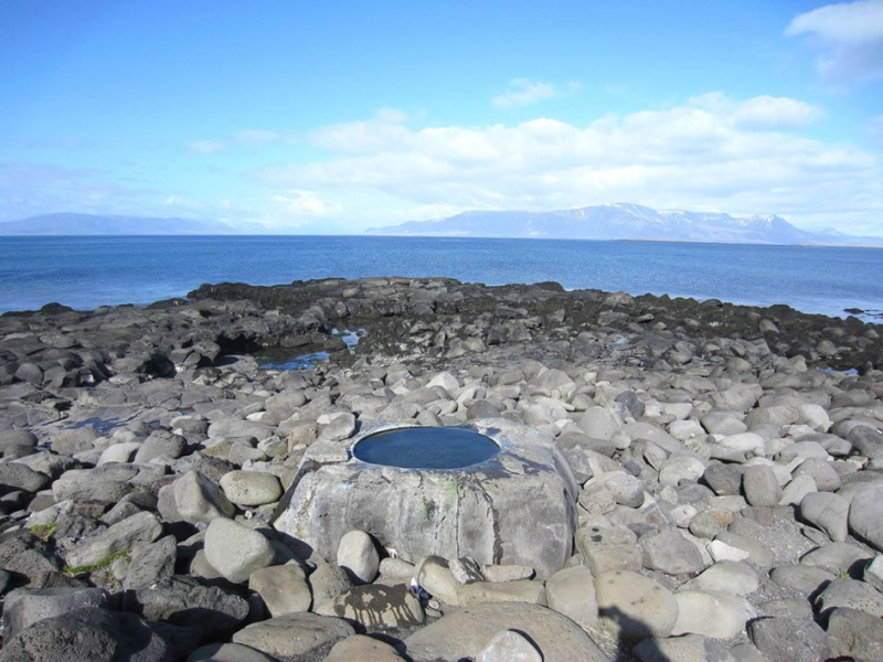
623, 221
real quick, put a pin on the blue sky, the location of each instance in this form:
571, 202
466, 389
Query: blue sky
331, 117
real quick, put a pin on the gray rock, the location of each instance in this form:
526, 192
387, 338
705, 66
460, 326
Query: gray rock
823, 473
571, 592
14, 475
758, 553
634, 606
855, 634
509, 646
761, 486
671, 553
827, 512
291, 635
532, 592
26, 606
138, 529
727, 577
724, 423
227, 653
235, 550
376, 606
465, 570
199, 500
283, 588
606, 550
473, 512
789, 639
434, 575
840, 557
468, 631
723, 478
357, 554
160, 444
807, 579
852, 594
716, 615
688, 648
327, 582
150, 563
251, 488
90, 635
342, 426
183, 601
362, 649
873, 573
599, 423
866, 516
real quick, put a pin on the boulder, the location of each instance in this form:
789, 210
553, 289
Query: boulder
487, 511
235, 550
357, 555
292, 635
468, 631
283, 588
199, 500
635, 607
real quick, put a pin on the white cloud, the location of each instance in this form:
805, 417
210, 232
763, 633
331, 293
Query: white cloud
523, 92
207, 147
711, 152
848, 37
303, 203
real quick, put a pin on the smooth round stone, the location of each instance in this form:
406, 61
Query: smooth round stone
761, 486
227, 653
251, 488
509, 646
235, 550
283, 588
828, 512
789, 639
687, 648
851, 594
634, 606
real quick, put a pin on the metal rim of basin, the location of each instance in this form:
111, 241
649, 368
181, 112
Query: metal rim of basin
417, 462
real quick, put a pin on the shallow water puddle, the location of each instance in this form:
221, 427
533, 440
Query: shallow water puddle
280, 358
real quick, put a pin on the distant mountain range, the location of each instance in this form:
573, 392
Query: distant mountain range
88, 224
625, 221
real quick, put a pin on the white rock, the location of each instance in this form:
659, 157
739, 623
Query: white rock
716, 615
509, 646
721, 551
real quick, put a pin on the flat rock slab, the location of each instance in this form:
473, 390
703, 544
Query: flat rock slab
293, 634
468, 631
515, 508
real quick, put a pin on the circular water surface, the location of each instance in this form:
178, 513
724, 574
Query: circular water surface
426, 448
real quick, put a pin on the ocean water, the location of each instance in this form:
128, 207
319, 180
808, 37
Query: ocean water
86, 272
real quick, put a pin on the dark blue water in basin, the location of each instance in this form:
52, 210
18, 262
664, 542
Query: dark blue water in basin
426, 448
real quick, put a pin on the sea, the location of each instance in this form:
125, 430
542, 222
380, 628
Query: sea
87, 272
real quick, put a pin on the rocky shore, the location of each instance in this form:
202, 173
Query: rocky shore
727, 464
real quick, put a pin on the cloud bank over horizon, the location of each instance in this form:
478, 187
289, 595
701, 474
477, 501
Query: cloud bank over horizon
789, 125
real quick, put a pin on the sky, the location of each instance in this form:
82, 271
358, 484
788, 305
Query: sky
330, 117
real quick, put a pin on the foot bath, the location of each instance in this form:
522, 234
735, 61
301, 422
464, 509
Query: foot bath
496, 491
